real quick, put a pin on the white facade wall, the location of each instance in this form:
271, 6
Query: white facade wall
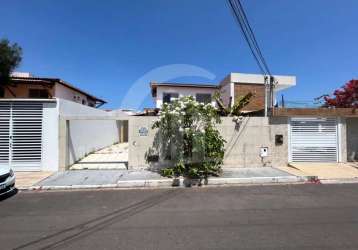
69, 108
182, 91
50, 134
86, 135
83, 136
227, 92
66, 93
283, 82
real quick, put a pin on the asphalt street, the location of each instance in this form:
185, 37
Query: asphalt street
309, 216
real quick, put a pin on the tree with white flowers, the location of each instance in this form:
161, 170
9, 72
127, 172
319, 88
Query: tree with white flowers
189, 138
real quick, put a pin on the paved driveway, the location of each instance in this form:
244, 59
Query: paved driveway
262, 217
112, 157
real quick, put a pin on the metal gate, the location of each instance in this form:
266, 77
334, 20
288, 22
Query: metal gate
313, 140
21, 135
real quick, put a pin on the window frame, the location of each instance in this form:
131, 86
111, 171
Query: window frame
204, 94
37, 93
172, 95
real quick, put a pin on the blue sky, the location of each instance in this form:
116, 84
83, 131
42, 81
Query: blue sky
105, 46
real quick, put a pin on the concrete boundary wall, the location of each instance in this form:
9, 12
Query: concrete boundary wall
80, 137
50, 135
244, 141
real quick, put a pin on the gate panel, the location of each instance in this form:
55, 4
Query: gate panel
313, 140
26, 137
4, 134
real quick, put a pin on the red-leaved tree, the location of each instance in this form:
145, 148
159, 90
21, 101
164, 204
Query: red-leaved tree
344, 97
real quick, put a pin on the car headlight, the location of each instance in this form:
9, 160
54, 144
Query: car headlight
11, 173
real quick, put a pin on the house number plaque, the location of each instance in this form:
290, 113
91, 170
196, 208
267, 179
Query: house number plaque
143, 131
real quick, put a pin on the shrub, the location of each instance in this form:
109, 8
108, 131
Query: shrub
189, 138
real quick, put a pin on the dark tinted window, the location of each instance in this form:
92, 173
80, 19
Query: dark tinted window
169, 97
2, 92
205, 98
38, 93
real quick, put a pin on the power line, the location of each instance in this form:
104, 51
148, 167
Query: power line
253, 37
241, 18
238, 18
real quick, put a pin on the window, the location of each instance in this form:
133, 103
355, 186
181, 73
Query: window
2, 92
205, 98
169, 97
38, 93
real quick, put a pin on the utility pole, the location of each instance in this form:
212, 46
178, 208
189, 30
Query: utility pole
266, 97
269, 98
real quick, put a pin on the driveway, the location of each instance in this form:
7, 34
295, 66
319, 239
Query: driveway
112, 157
260, 217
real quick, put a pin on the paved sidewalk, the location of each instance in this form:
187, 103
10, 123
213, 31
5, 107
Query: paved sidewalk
28, 179
79, 179
327, 171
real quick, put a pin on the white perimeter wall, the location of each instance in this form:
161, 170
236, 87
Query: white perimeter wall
50, 133
242, 147
86, 136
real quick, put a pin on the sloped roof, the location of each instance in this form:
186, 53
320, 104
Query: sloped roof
45, 80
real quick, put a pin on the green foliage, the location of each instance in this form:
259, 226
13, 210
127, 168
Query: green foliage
190, 139
10, 58
237, 107
167, 172
178, 170
241, 103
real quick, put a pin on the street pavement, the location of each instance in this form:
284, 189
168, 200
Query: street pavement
306, 216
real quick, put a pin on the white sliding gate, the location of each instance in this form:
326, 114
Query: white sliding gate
313, 140
21, 135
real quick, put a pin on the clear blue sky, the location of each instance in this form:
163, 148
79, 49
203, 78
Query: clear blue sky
104, 46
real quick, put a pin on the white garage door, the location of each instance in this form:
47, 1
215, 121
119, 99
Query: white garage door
313, 140
21, 135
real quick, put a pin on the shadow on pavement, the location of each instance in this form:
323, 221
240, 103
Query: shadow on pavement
77, 232
8, 194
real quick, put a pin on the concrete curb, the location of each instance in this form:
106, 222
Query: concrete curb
180, 183
256, 180
339, 181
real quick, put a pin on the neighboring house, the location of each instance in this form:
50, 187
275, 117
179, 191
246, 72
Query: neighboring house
288, 135
232, 87
31, 110
26, 86
51, 134
167, 92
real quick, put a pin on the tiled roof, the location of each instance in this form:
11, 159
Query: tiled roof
46, 80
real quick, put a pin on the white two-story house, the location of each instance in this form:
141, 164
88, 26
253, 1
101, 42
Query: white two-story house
231, 88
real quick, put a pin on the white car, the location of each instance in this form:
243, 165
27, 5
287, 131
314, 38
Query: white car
7, 180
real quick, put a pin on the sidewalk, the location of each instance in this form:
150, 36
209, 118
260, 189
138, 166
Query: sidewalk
26, 180
325, 172
81, 179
